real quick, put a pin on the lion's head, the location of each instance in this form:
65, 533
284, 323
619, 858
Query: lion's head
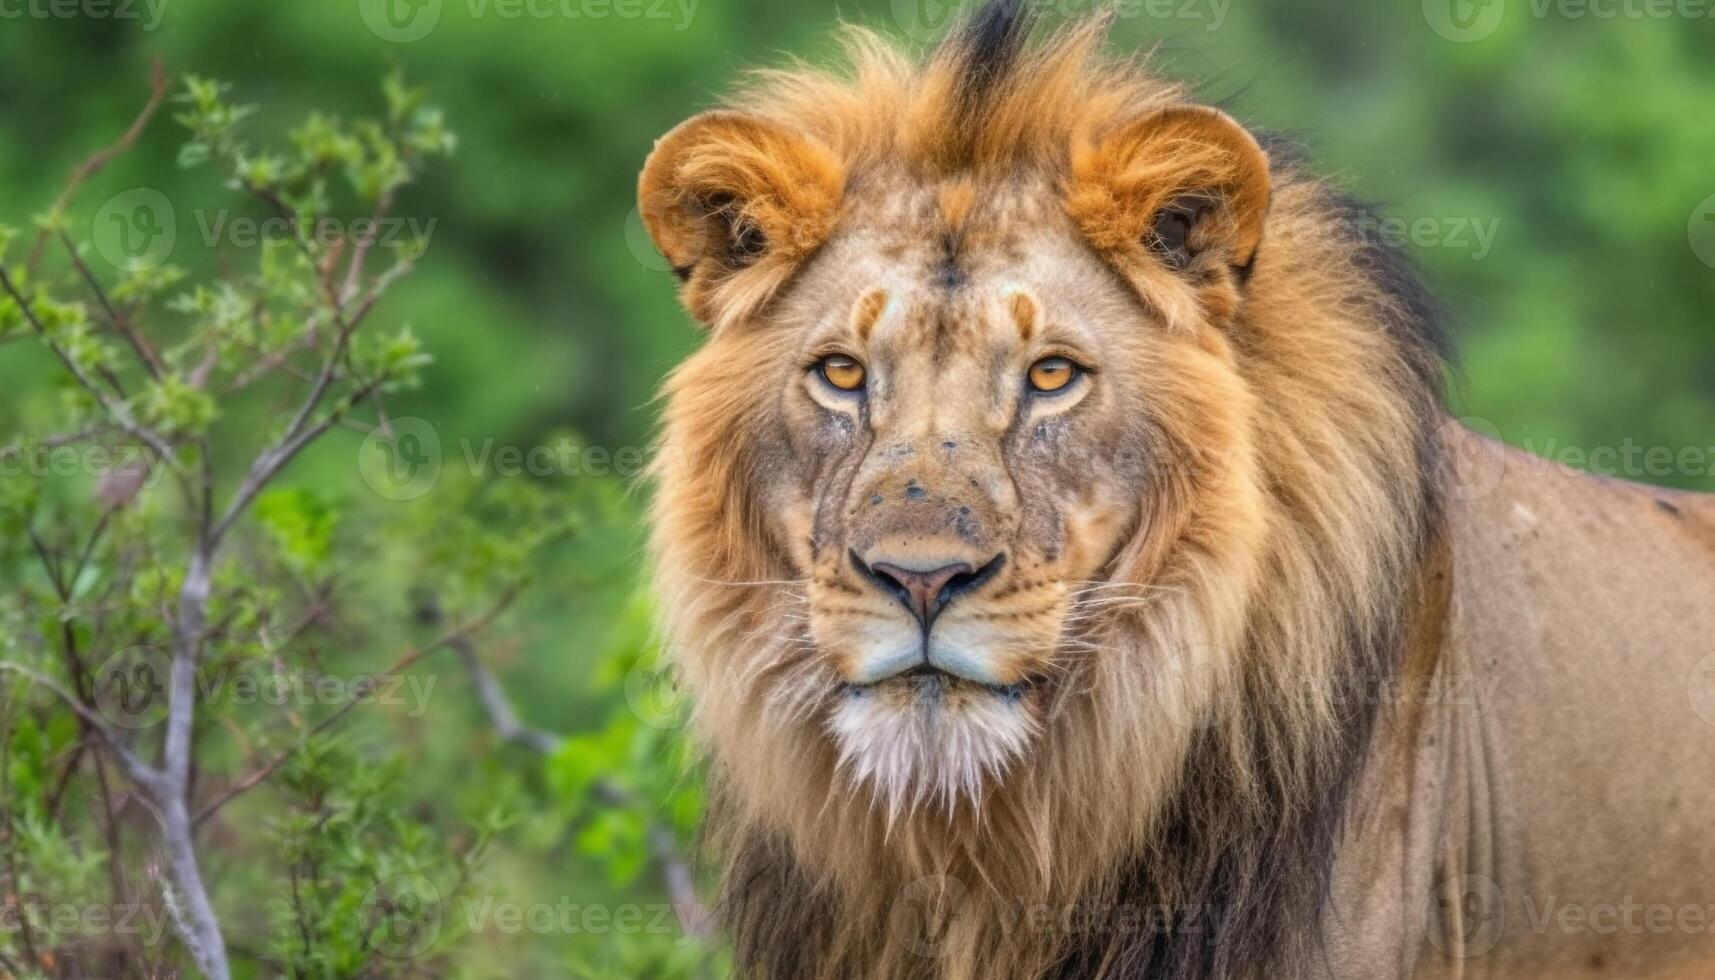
1053, 464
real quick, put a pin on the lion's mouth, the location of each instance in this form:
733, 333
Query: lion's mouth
930, 682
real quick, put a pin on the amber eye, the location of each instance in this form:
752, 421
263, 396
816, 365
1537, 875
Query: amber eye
1052, 374
842, 372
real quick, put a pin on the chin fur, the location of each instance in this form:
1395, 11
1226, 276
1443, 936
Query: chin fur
919, 741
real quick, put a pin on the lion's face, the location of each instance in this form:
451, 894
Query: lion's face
966, 438
949, 424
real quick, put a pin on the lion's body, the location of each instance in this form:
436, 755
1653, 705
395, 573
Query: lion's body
1558, 790
1229, 656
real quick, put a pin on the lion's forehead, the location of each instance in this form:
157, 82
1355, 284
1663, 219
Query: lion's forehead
919, 275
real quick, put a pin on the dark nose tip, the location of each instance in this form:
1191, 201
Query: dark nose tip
926, 593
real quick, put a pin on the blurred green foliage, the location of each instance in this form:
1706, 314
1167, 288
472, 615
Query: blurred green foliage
1553, 176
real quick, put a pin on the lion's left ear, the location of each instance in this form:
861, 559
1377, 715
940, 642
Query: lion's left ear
1185, 186
735, 202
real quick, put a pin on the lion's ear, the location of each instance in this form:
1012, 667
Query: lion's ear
1186, 186
728, 196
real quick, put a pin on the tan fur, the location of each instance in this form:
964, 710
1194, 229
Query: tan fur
1192, 628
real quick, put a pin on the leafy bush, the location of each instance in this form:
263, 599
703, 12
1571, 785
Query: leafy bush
190, 632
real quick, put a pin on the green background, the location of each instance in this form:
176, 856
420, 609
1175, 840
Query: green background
1579, 145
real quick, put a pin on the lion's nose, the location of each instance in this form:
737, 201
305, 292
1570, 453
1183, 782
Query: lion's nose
926, 592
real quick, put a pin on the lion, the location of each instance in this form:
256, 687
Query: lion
1076, 572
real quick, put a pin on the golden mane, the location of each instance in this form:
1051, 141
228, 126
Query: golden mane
1315, 526
1024, 109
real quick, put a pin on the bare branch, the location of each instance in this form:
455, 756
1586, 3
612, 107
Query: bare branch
299, 433
454, 638
663, 848
122, 323
93, 164
354, 269
274, 459
52, 442
141, 773
498, 706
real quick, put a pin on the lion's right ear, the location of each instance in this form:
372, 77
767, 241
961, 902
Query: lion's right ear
1178, 199
735, 203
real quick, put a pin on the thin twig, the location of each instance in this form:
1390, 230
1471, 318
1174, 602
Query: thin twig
448, 640
93, 164
141, 773
122, 323
675, 872
274, 459
118, 409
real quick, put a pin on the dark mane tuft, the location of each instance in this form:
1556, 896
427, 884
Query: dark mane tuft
985, 51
